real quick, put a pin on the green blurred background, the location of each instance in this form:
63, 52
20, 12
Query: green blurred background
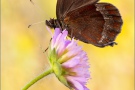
22, 57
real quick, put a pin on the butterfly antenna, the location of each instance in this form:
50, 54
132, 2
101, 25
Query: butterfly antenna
39, 8
48, 46
35, 23
32, 2
44, 51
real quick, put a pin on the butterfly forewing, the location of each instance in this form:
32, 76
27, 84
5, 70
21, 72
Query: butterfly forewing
65, 6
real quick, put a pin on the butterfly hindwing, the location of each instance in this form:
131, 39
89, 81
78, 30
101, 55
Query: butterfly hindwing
97, 24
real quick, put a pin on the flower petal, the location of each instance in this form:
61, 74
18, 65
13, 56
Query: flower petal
56, 34
62, 47
82, 80
72, 62
75, 84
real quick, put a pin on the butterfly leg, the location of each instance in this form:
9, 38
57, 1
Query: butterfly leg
47, 47
71, 34
58, 25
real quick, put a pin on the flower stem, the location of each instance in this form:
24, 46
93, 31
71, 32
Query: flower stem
38, 78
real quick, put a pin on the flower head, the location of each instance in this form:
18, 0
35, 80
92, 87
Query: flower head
69, 61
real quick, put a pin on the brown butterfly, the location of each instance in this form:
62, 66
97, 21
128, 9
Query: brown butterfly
89, 21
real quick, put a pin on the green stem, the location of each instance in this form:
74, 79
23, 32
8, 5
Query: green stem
38, 78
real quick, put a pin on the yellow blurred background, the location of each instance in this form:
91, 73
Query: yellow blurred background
22, 57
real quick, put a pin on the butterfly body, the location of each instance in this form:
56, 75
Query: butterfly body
88, 21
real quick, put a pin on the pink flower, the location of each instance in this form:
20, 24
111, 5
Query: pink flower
69, 61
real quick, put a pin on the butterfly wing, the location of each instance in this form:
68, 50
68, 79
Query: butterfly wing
97, 24
65, 6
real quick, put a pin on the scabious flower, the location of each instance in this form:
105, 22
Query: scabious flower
68, 61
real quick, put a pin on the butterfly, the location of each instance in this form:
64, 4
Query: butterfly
88, 21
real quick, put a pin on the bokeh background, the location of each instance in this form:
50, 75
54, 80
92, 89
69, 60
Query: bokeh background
22, 57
